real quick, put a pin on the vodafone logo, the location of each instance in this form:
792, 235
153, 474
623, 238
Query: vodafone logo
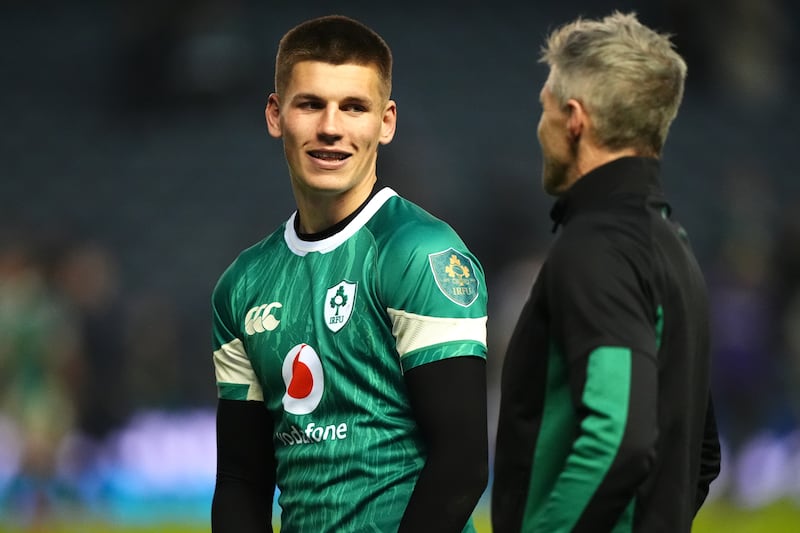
304, 380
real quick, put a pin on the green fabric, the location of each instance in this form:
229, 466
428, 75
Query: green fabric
317, 335
431, 354
560, 492
659, 326
232, 391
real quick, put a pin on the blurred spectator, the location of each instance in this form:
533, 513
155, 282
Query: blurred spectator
152, 340
40, 366
88, 279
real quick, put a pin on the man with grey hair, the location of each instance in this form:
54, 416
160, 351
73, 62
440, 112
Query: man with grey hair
606, 421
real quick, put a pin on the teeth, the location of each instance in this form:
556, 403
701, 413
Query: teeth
331, 156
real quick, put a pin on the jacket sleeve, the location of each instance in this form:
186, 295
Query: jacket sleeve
710, 458
245, 469
605, 326
448, 398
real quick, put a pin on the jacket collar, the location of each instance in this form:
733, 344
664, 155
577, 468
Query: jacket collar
600, 188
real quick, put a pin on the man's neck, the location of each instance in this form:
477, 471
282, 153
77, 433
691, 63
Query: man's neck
318, 212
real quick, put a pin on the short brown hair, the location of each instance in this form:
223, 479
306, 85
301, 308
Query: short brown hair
333, 39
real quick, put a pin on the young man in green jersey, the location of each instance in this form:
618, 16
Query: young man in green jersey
350, 344
606, 421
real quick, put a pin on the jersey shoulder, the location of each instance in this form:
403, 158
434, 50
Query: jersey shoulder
401, 226
247, 261
418, 257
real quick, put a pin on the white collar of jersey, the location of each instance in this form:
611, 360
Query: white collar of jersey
301, 247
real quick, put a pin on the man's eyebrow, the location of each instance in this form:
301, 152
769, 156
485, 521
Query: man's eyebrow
357, 100
363, 100
305, 96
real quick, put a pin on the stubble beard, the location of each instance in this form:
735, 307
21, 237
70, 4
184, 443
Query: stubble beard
554, 176
557, 172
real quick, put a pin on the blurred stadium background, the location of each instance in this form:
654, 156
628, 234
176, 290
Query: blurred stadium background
134, 165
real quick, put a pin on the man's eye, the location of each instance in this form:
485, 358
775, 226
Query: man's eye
310, 105
354, 108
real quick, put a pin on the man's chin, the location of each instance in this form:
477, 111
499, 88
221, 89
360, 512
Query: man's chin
554, 178
553, 187
326, 184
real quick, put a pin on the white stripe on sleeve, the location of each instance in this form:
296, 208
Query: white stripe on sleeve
413, 332
231, 365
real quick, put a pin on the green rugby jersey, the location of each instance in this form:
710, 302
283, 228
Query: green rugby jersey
322, 331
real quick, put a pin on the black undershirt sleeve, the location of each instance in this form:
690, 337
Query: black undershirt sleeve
245, 469
449, 402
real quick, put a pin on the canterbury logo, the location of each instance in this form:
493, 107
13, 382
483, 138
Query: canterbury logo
261, 318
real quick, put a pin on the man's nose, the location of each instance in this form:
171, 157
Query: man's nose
329, 128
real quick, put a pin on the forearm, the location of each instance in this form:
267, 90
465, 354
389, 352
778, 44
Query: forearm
241, 506
446, 493
454, 429
245, 484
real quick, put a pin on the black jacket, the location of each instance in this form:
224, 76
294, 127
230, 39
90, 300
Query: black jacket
606, 421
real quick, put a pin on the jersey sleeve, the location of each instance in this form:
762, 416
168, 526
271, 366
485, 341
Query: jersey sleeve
235, 377
602, 314
434, 292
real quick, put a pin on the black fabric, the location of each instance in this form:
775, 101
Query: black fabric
619, 263
245, 469
603, 187
449, 402
711, 457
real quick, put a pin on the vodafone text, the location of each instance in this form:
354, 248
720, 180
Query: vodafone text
313, 433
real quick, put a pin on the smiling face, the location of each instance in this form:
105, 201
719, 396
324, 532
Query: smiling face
332, 119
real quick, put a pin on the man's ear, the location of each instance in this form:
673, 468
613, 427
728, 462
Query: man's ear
389, 122
577, 120
273, 115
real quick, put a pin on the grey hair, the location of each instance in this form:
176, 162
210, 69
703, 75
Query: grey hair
628, 77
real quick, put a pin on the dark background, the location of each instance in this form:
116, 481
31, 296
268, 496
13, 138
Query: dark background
135, 165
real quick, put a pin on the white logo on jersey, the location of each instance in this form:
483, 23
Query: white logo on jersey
260, 319
302, 375
338, 304
313, 433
